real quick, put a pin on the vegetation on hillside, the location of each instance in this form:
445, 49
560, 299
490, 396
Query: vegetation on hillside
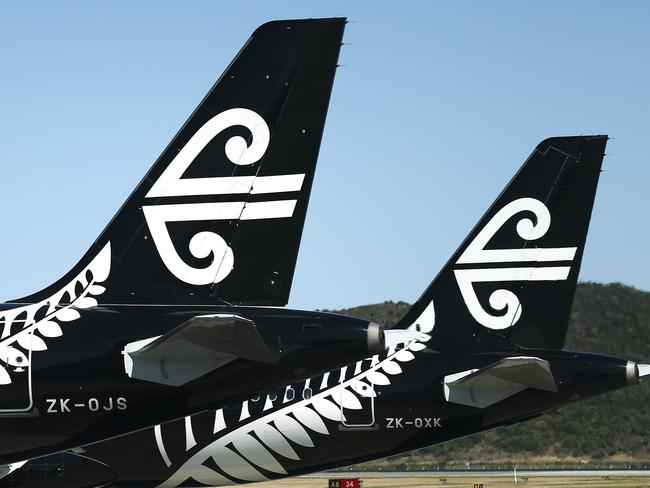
614, 428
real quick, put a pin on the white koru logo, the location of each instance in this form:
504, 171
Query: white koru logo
505, 300
170, 183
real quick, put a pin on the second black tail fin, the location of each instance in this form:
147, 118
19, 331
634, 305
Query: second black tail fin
512, 281
219, 216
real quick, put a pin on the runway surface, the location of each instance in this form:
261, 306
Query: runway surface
501, 479
529, 473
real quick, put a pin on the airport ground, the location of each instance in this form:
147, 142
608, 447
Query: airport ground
376, 480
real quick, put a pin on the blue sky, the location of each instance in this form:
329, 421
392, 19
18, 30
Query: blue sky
438, 105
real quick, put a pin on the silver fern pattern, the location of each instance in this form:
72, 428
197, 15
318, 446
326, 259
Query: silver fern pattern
25, 329
263, 443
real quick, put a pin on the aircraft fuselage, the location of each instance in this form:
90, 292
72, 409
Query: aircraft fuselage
339, 422
79, 392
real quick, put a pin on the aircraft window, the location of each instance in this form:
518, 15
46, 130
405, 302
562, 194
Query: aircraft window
306, 394
289, 395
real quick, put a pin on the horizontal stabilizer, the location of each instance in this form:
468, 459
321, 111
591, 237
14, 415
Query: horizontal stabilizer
644, 370
395, 337
7, 469
198, 346
489, 385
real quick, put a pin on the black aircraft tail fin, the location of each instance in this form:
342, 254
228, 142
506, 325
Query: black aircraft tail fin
219, 216
511, 282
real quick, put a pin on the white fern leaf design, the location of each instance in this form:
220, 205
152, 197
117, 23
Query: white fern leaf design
310, 418
404, 356
50, 329
236, 466
391, 367
101, 266
426, 321
256, 453
96, 290
61, 307
363, 389
346, 399
85, 302
5, 379
67, 315
378, 378
219, 421
418, 346
272, 438
31, 342
328, 409
209, 477
13, 357
296, 423
292, 429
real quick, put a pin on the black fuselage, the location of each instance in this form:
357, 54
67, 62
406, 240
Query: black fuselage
410, 412
81, 393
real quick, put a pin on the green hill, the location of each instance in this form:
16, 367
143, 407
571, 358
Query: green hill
612, 429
